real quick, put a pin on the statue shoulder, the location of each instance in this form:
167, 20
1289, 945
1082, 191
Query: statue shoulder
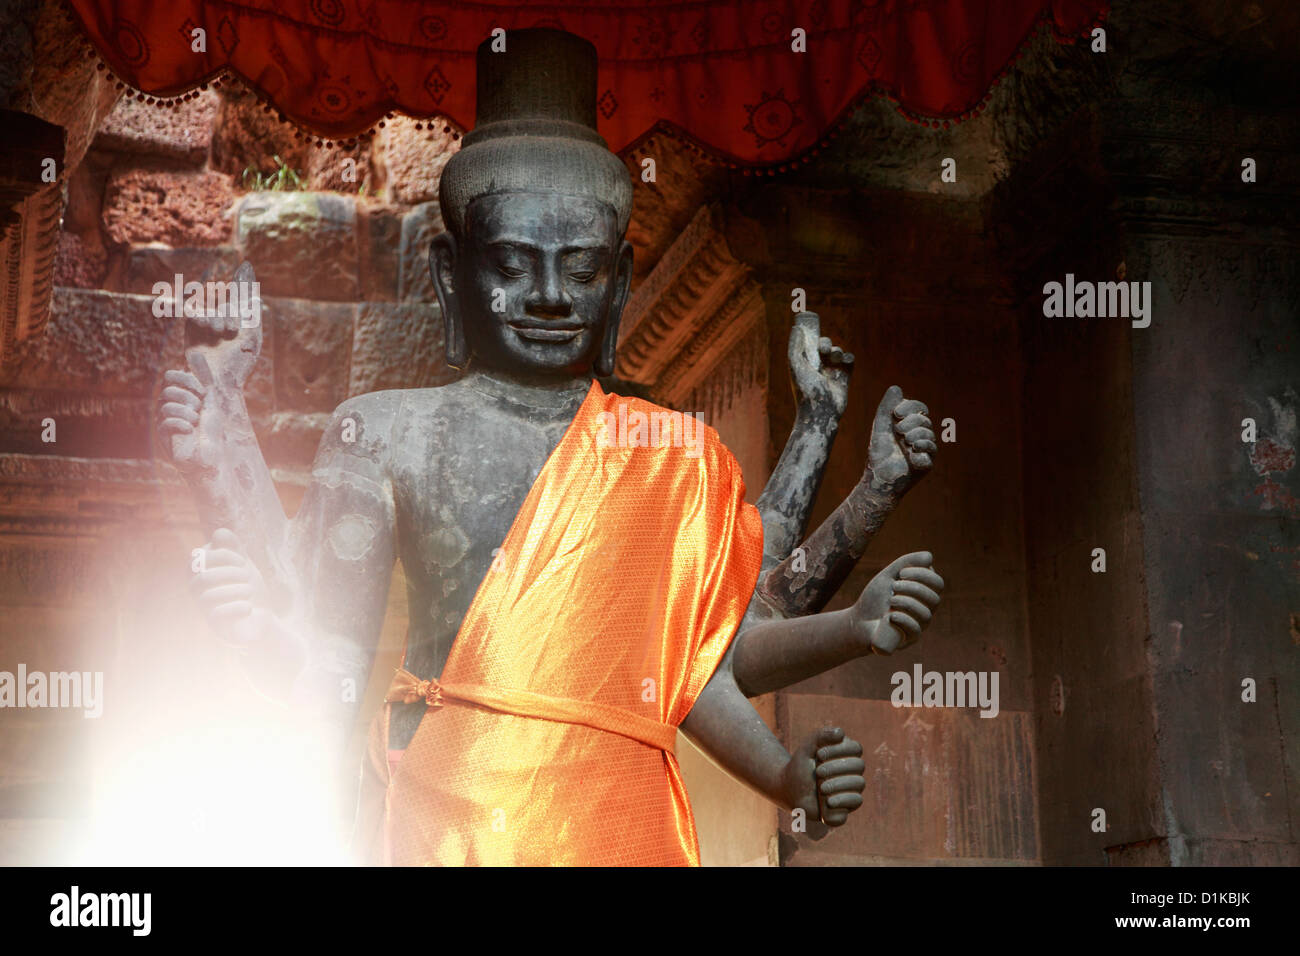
363, 425
684, 430
376, 421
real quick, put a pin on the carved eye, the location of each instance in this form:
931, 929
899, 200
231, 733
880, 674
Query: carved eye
511, 273
582, 276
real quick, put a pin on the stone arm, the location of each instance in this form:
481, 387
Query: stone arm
208, 432
823, 777
316, 653
820, 372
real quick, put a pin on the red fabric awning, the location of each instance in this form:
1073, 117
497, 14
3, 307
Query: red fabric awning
722, 71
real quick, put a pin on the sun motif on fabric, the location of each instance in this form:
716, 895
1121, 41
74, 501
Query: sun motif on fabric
772, 118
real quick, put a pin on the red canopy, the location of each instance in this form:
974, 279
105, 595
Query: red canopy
721, 71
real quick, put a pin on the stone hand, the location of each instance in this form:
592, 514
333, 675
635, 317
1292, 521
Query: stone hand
902, 441
231, 590
199, 406
898, 603
189, 424
820, 369
825, 775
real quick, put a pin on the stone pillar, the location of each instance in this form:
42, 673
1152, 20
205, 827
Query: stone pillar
1220, 515
1134, 445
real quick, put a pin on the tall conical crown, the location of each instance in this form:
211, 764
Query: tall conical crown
535, 128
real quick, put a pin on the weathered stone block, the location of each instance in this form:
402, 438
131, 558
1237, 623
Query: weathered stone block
414, 159
98, 343
301, 245
343, 169
159, 205
293, 438
419, 227
379, 241
182, 132
148, 264
398, 346
313, 341
80, 263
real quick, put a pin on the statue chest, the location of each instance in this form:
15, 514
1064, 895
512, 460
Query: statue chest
456, 498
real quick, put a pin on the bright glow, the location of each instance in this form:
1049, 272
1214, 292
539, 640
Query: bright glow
217, 795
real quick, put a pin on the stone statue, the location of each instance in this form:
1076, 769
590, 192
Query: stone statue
531, 275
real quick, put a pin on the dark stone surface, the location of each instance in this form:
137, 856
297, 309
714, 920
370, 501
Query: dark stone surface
313, 342
398, 346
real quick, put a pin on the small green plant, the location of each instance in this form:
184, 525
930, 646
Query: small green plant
283, 179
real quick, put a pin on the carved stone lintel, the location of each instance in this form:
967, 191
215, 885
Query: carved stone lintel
689, 313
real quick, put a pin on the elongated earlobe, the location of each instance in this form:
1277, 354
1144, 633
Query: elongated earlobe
608, 357
442, 269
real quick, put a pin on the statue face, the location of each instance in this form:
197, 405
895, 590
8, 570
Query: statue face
538, 282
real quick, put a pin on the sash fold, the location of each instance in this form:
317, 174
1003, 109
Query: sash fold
407, 689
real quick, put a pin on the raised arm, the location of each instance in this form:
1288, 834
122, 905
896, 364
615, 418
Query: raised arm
820, 372
902, 443
316, 653
207, 430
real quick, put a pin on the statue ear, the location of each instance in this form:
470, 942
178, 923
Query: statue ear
605, 361
442, 268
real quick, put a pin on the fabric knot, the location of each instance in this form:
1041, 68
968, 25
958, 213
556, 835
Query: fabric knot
431, 691
408, 689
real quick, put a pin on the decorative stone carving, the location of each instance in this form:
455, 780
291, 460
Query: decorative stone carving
696, 305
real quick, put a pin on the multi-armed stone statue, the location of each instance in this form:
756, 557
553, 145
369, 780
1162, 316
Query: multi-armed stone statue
575, 596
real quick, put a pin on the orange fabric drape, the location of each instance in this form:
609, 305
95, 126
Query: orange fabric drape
617, 591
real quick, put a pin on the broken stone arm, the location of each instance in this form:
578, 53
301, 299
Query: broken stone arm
820, 373
316, 652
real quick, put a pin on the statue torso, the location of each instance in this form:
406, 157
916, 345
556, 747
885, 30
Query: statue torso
462, 461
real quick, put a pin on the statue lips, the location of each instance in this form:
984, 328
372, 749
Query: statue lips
547, 333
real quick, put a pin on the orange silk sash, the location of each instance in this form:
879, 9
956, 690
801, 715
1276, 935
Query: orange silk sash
549, 736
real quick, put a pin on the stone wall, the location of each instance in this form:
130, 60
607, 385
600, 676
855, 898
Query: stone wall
95, 527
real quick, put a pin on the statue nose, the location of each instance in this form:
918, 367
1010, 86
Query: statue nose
548, 297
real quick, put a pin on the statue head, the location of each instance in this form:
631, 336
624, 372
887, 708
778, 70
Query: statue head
533, 271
